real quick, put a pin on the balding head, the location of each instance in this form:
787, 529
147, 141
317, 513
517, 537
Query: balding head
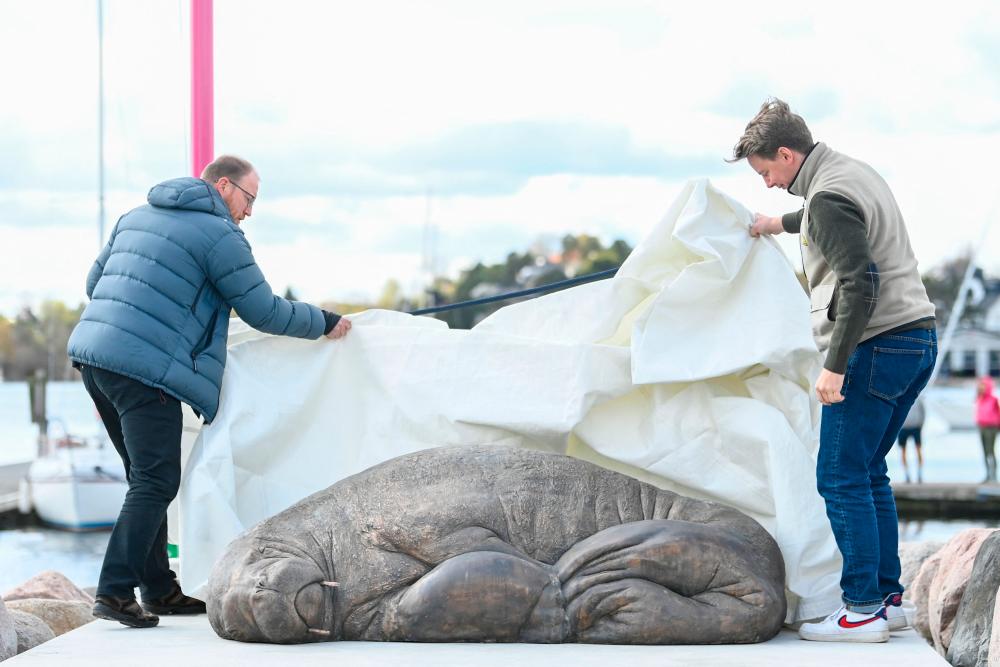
228, 166
237, 181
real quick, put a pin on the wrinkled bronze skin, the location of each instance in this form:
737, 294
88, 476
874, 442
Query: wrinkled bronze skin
497, 544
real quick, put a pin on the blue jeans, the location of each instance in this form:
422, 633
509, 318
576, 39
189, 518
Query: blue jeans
884, 377
144, 425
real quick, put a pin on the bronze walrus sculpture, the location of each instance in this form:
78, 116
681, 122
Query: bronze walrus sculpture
499, 544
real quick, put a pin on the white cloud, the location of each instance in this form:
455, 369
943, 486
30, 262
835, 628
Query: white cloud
322, 271
44, 263
316, 89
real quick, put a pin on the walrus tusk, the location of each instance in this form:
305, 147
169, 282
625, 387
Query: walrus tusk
316, 631
330, 584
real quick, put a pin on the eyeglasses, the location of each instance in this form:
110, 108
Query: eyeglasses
250, 197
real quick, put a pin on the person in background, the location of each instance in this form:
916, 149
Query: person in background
154, 335
911, 430
988, 421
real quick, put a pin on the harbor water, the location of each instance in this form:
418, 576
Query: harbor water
24, 552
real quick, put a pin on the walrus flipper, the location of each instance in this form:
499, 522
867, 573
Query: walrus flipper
667, 582
480, 596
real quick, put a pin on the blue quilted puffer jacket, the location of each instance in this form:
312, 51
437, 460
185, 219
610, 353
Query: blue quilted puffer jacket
162, 289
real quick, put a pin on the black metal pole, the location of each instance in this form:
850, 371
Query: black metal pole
569, 282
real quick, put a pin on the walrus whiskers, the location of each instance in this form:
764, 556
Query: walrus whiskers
330, 584
317, 631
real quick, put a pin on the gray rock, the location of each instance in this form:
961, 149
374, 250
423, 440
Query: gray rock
919, 592
60, 615
950, 582
911, 557
994, 653
974, 621
50, 585
499, 544
31, 630
8, 635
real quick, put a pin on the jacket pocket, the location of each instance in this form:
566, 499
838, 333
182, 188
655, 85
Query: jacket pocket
831, 311
821, 297
205, 341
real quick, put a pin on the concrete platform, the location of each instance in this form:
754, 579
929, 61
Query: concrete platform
190, 642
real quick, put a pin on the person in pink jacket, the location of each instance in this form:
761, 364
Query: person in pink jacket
988, 420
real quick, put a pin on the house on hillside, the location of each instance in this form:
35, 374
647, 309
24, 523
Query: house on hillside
975, 349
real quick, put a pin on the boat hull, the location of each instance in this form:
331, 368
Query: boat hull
77, 490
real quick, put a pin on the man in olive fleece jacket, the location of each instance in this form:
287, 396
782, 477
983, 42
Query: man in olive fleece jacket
872, 318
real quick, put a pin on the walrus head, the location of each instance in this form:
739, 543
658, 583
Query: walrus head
276, 593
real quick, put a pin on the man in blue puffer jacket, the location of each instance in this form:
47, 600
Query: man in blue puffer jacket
153, 335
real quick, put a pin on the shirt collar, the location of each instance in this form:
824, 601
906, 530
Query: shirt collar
807, 170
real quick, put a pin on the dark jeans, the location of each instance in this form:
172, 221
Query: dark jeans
884, 377
144, 425
988, 434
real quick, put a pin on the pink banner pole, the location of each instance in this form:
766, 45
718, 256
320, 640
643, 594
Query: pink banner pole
202, 100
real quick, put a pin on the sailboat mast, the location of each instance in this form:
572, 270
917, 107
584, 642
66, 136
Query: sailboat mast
944, 345
202, 101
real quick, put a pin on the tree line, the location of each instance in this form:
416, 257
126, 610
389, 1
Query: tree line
35, 339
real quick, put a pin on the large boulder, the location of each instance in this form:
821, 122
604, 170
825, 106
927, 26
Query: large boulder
974, 620
994, 653
911, 557
49, 585
8, 635
60, 615
957, 559
31, 630
919, 592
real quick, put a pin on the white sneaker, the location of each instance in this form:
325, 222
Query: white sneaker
899, 612
844, 625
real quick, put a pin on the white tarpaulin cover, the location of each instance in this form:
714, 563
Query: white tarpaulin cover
691, 369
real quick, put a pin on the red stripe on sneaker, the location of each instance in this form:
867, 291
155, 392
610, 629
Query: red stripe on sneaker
844, 623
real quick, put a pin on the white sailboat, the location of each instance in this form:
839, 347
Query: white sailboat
954, 406
75, 484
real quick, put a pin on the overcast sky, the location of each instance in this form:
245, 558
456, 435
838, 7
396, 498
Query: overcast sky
500, 123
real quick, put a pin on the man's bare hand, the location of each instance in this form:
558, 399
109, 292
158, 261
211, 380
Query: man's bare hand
763, 224
828, 387
340, 329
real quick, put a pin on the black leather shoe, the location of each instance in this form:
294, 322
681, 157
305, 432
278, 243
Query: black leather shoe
174, 602
124, 610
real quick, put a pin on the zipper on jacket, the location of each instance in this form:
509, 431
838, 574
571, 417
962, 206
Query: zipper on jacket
206, 339
194, 304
